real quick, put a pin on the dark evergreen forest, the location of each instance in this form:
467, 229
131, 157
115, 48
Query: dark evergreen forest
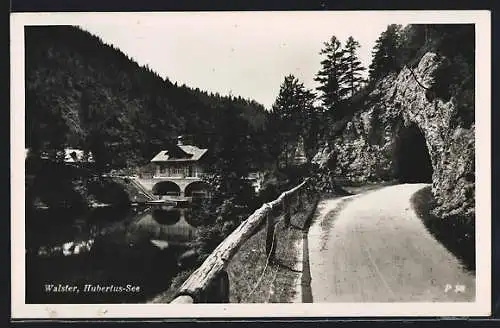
85, 94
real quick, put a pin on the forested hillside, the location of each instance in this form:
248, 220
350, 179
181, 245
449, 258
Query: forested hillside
399, 47
83, 93
453, 79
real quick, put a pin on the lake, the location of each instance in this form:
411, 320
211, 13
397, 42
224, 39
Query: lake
105, 255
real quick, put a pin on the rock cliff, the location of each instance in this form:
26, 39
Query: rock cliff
404, 133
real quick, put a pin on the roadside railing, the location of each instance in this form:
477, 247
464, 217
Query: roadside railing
210, 282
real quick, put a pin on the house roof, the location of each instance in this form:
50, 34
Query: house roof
180, 153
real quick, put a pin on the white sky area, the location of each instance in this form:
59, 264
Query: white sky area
244, 54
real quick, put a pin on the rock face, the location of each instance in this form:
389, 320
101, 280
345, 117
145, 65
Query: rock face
400, 126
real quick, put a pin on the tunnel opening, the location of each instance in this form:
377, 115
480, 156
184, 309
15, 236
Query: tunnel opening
412, 160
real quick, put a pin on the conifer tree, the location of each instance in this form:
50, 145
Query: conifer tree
353, 76
332, 85
385, 54
293, 116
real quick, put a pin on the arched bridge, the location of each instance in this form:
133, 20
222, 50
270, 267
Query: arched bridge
175, 188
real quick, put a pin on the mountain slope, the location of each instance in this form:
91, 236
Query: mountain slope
83, 93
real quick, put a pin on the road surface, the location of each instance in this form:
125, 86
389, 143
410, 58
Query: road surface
374, 248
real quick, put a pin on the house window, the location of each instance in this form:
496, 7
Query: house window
176, 171
197, 171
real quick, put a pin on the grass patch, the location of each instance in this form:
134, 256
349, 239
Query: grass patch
253, 280
330, 217
456, 233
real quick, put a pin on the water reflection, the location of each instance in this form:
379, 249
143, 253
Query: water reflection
105, 246
193, 218
149, 226
167, 216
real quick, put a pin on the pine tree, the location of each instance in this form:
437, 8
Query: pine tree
385, 54
353, 75
332, 86
312, 130
293, 116
413, 39
284, 113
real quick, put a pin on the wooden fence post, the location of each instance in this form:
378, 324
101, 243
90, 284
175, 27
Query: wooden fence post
270, 243
218, 290
300, 204
224, 287
286, 209
297, 202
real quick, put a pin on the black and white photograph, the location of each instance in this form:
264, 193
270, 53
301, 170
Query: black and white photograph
251, 163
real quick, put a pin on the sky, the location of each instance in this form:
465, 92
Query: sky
245, 54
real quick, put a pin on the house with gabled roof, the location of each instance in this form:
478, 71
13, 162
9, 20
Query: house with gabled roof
179, 161
179, 170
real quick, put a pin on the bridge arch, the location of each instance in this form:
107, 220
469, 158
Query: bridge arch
166, 188
412, 160
197, 189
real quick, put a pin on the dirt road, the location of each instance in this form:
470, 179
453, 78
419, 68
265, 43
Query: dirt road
372, 247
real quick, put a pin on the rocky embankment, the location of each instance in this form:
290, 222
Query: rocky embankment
367, 144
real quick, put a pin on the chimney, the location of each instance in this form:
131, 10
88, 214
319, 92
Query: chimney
179, 141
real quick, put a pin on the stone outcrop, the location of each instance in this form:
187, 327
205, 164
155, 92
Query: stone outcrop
365, 145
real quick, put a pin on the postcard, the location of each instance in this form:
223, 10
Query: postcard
250, 164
